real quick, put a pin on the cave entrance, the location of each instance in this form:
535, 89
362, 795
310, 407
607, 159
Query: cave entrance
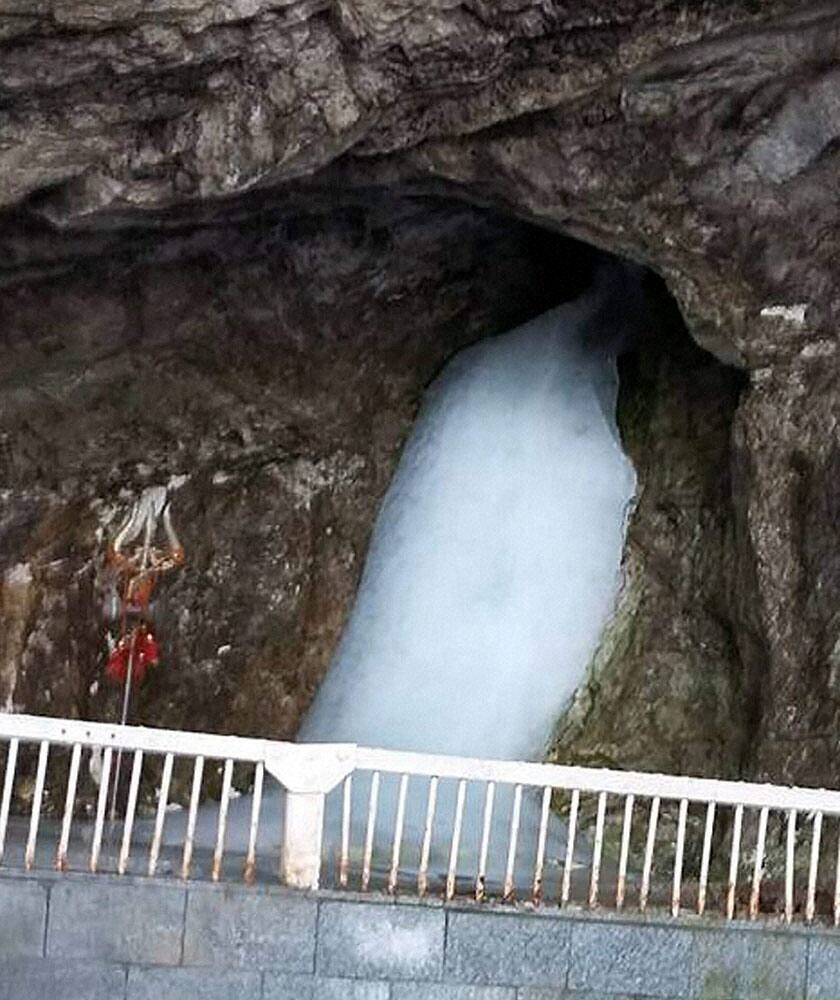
492, 588
292, 348
433, 659
292, 342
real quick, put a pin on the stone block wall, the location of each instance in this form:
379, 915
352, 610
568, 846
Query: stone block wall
104, 938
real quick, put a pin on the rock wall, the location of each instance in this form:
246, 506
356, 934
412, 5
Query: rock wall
138, 143
271, 382
671, 686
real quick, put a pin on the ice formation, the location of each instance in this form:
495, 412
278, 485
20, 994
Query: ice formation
495, 559
493, 567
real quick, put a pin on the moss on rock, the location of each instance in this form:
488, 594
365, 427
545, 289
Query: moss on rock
665, 689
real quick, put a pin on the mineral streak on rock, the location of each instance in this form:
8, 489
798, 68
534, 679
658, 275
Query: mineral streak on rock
178, 178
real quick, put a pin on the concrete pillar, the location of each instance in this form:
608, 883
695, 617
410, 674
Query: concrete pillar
303, 838
308, 772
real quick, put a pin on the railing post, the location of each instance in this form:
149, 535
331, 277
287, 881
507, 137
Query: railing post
303, 838
307, 772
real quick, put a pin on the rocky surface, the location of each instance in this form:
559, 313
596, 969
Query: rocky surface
138, 142
271, 387
668, 688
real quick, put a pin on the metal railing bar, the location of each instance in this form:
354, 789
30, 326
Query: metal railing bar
250, 871
706, 858
101, 805
425, 850
790, 847
734, 858
8, 784
37, 799
537, 888
837, 883
130, 810
570, 848
481, 875
513, 841
649, 849
160, 815
69, 805
816, 834
221, 828
346, 815
455, 843
676, 893
192, 815
758, 864
373, 803
621, 884
597, 847
396, 846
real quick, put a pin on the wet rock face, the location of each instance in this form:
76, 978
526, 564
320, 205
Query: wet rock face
144, 151
668, 688
786, 449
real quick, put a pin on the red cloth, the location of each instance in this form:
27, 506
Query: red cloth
145, 655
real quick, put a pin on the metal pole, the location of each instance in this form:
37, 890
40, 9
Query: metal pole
144, 562
126, 699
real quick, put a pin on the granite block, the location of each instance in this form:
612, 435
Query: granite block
64, 980
194, 984
733, 964
548, 993
450, 991
23, 915
278, 986
507, 949
823, 968
106, 921
653, 961
371, 941
240, 927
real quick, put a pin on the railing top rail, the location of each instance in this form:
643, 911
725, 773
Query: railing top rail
638, 783
104, 734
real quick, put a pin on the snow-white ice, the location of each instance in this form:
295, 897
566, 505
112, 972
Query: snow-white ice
495, 559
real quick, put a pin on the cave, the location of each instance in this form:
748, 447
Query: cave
238, 241
269, 367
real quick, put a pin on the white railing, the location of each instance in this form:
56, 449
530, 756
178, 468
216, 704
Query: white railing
404, 822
